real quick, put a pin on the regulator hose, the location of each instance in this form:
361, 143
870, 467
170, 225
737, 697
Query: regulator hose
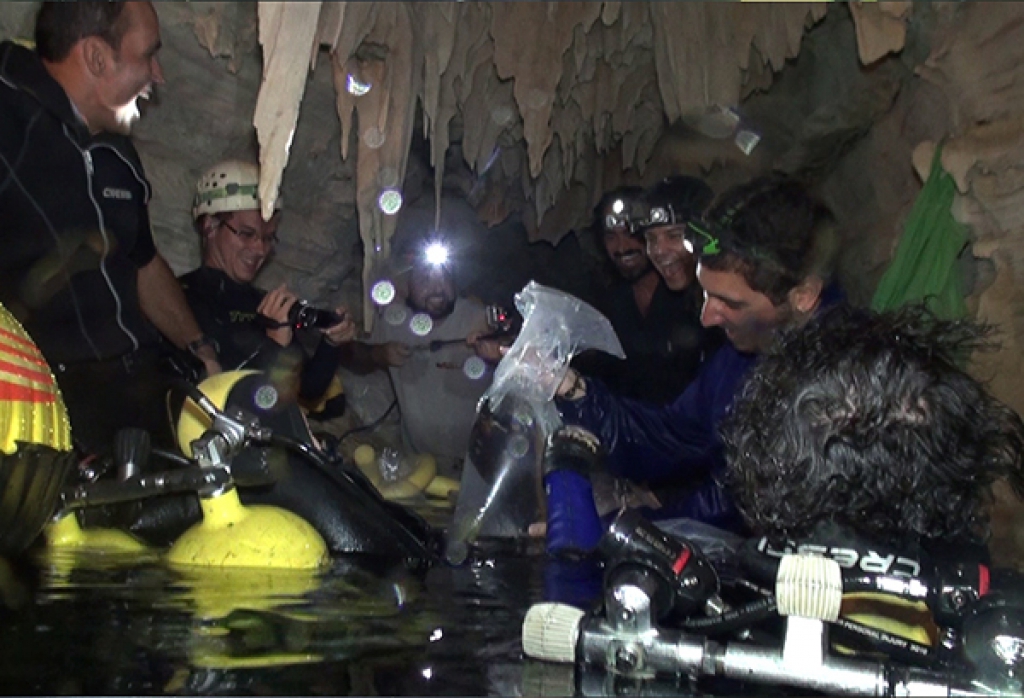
734, 619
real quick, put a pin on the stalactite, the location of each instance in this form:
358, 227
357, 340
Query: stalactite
386, 113
881, 28
287, 33
535, 64
559, 83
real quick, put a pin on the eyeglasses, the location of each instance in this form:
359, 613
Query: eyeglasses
250, 236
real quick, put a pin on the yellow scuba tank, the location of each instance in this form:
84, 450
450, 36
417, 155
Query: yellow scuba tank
232, 534
32, 412
423, 477
65, 533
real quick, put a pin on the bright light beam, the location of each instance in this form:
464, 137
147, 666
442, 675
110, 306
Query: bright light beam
436, 254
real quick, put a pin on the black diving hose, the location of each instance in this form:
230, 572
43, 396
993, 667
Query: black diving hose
372, 425
734, 619
417, 527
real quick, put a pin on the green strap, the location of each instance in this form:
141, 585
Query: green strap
224, 192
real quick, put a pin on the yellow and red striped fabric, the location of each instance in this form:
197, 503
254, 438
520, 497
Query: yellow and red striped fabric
31, 408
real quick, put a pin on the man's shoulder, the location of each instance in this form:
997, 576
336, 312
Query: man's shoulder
200, 281
26, 85
20, 68
192, 278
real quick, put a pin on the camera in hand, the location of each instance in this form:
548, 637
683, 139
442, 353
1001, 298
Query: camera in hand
502, 320
302, 315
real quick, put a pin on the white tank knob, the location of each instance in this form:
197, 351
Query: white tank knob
550, 632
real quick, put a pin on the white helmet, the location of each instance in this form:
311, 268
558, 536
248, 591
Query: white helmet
232, 185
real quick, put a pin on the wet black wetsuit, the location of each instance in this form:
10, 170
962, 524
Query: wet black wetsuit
226, 312
664, 349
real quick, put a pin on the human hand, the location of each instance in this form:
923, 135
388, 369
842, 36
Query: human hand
391, 354
275, 306
490, 350
344, 331
572, 387
212, 367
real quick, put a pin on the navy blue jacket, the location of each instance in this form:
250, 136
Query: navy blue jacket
671, 444
677, 444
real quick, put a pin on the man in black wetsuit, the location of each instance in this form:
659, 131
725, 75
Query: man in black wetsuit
250, 326
80, 269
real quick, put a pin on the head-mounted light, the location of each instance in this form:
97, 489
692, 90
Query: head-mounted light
625, 213
701, 239
436, 254
660, 215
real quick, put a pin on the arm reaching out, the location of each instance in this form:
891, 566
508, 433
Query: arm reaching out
163, 303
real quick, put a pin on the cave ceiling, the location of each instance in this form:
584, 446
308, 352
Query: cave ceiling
549, 103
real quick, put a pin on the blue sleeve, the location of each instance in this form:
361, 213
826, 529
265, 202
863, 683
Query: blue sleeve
670, 443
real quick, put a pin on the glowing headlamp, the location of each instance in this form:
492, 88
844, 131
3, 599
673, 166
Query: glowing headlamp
660, 215
640, 217
624, 214
436, 254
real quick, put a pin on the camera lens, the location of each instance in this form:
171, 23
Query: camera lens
302, 315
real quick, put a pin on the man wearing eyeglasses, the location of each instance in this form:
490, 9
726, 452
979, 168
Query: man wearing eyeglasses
764, 256
252, 328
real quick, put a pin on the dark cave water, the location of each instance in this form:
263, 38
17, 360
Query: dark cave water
103, 625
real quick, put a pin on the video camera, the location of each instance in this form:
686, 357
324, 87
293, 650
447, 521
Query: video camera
502, 321
303, 315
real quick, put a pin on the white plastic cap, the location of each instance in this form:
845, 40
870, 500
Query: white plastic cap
809, 586
550, 632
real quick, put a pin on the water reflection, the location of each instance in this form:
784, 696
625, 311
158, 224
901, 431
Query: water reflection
102, 625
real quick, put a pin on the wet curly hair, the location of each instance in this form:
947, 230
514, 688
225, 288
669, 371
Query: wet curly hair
869, 421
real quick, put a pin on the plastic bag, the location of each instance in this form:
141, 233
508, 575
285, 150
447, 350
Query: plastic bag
556, 326
502, 493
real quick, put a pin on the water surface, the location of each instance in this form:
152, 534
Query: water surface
101, 625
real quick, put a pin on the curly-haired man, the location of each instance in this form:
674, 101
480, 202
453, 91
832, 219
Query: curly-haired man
869, 422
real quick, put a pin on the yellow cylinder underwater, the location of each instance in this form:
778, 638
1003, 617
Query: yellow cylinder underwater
65, 533
422, 480
233, 535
